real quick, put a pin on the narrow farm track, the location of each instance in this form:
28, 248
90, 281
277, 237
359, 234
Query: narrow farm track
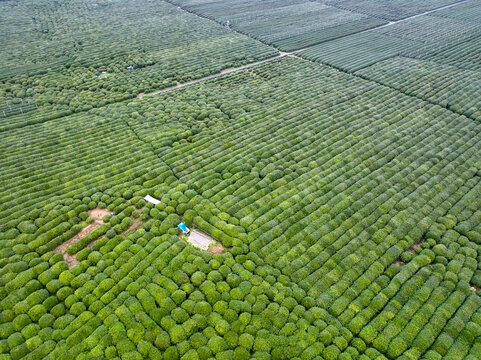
244, 67
295, 52
409, 17
223, 73
281, 53
71, 260
247, 66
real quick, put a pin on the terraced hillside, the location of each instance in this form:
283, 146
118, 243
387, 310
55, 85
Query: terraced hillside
344, 194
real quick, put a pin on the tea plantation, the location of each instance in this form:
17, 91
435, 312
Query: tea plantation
341, 182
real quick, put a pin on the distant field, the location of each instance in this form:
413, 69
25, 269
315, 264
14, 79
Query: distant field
75, 56
446, 85
389, 10
386, 55
288, 25
340, 185
427, 34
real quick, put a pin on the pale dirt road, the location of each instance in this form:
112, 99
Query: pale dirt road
281, 54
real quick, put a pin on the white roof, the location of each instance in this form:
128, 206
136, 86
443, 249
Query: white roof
151, 199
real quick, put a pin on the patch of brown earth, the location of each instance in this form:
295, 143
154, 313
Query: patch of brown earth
217, 249
132, 227
97, 215
62, 249
415, 246
399, 263
71, 260
136, 222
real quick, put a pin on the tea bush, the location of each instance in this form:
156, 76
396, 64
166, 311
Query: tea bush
348, 212
287, 25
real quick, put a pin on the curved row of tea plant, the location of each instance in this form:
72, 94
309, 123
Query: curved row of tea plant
334, 199
164, 45
464, 55
416, 37
357, 51
388, 10
448, 86
288, 25
348, 205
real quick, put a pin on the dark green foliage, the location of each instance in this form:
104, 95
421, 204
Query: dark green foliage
20, 321
177, 334
171, 353
246, 341
162, 341
348, 211
36, 312
27, 227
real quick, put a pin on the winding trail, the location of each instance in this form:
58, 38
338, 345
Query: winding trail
281, 53
418, 15
222, 73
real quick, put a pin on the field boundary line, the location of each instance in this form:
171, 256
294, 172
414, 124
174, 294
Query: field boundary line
281, 53
414, 16
399, 20
244, 67
448, 108
389, 23
222, 73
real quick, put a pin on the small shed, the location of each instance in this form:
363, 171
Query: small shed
151, 199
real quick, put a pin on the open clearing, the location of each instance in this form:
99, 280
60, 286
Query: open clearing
200, 240
329, 172
97, 215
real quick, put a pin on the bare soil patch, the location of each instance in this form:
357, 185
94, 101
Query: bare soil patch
95, 241
97, 215
62, 249
399, 263
217, 249
132, 227
71, 260
415, 246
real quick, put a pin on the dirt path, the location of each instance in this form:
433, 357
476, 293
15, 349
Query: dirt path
71, 260
421, 14
222, 73
132, 227
217, 249
281, 53
414, 247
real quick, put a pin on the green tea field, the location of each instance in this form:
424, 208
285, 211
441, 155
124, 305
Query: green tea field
328, 152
